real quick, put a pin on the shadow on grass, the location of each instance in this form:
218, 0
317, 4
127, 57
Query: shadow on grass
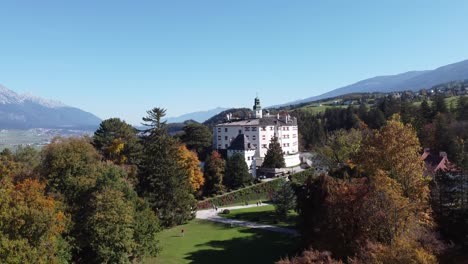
266, 217
260, 247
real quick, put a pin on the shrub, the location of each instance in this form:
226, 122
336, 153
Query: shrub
226, 211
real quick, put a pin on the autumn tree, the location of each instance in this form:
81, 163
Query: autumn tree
163, 181
189, 161
31, 224
236, 172
213, 173
395, 149
274, 157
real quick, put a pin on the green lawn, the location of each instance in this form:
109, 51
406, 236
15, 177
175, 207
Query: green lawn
209, 242
264, 215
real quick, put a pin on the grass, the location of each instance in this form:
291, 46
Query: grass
264, 215
210, 242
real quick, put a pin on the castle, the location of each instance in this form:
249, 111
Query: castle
251, 137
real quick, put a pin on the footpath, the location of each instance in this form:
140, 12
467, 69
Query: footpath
212, 215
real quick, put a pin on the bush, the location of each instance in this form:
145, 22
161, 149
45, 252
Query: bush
264, 190
301, 177
226, 211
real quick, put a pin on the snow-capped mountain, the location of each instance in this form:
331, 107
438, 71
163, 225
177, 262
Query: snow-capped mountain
24, 111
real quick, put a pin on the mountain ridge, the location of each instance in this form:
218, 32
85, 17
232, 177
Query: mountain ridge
410, 80
26, 111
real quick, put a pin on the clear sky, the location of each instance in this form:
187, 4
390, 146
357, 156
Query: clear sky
121, 58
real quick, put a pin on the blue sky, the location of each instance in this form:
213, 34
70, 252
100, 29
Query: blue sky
121, 58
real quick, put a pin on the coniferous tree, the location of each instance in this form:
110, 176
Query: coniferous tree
237, 174
117, 141
213, 174
274, 157
284, 199
198, 138
438, 105
163, 180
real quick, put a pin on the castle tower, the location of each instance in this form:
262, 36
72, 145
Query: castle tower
257, 108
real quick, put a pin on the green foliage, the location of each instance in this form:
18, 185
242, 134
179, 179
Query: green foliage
236, 173
264, 190
198, 138
274, 157
284, 199
340, 147
117, 141
109, 226
213, 173
163, 180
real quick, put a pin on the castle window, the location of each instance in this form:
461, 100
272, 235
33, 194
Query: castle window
247, 128
264, 146
225, 129
219, 137
226, 145
219, 130
263, 128
271, 128
225, 138
253, 137
254, 129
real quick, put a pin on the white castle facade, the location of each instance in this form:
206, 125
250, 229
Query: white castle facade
251, 137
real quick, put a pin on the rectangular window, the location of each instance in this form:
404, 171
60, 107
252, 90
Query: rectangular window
263, 128
247, 128
219, 130
254, 129
219, 146
219, 137
253, 137
225, 129
264, 146
263, 137
225, 138
226, 145
247, 136
271, 128
294, 135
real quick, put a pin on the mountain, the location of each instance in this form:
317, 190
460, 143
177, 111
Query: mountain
26, 111
413, 80
199, 117
221, 117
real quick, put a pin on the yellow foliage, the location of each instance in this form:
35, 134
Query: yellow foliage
189, 160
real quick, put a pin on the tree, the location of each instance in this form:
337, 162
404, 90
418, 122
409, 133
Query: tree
395, 149
189, 161
117, 141
213, 173
198, 138
274, 157
110, 226
340, 147
236, 172
31, 224
426, 111
284, 199
438, 105
163, 181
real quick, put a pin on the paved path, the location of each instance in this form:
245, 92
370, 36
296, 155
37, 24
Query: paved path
212, 215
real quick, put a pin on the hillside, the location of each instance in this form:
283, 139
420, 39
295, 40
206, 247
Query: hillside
200, 116
413, 80
221, 117
25, 111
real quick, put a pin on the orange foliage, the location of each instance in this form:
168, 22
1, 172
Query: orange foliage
189, 160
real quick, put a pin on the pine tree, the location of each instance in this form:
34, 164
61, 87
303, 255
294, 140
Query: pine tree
237, 173
274, 157
213, 174
163, 181
284, 199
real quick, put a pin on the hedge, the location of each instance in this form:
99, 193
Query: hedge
301, 177
259, 191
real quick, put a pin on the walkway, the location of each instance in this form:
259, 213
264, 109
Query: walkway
212, 215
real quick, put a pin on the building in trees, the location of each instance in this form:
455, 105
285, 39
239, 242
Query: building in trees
256, 133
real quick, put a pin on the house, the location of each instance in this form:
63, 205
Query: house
436, 162
251, 137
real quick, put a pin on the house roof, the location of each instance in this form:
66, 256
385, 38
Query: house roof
265, 121
241, 142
